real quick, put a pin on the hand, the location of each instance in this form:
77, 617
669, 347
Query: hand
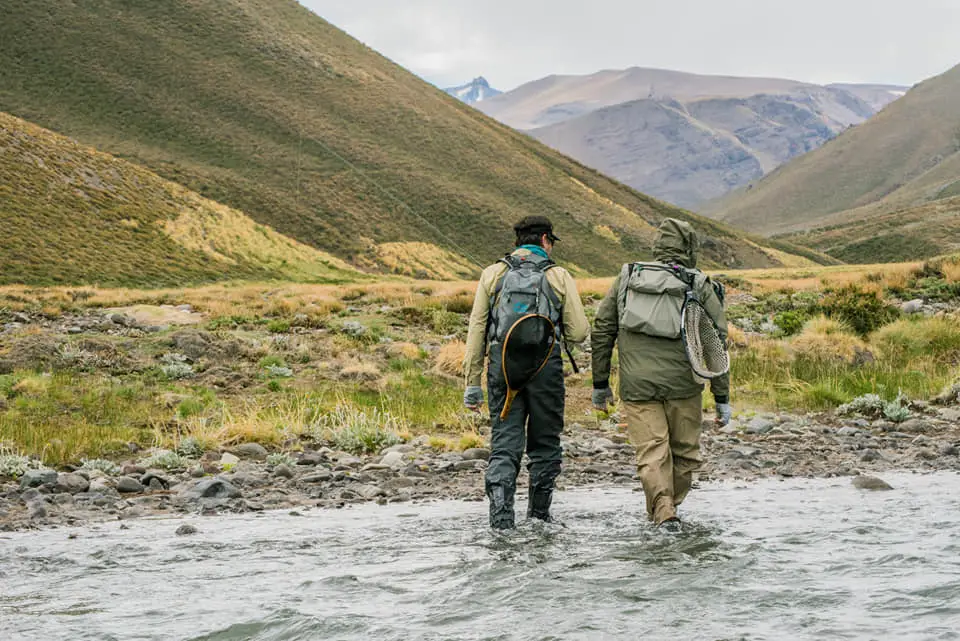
602, 398
473, 398
724, 414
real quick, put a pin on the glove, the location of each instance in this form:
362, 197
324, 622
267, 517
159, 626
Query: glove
724, 413
602, 398
473, 397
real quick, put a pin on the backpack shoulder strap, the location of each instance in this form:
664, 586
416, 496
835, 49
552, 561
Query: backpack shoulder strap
622, 289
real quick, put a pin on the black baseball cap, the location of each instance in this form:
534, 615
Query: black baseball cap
536, 225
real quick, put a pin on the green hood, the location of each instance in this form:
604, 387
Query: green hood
676, 243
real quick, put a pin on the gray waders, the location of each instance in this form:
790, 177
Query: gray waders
534, 423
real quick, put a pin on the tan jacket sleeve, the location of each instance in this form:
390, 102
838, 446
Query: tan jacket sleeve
476, 350
575, 323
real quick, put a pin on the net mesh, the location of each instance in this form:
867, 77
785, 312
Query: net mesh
705, 349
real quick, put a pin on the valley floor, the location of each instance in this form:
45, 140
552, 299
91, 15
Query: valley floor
119, 404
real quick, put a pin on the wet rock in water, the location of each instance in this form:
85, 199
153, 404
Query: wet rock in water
37, 511
948, 449
282, 471
72, 483
37, 478
215, 488
476, 454
925, 454
253, 451
760, 426
392, 460
186, 529
129, 485
871, 483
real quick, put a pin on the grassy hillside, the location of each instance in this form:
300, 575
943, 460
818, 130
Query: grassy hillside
265, 107
907, 155
931, 229
70, 214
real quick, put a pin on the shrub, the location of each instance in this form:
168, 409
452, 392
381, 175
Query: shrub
863, 310
935, 338
356, 430
191, 447
445, 322
175, 367
790, 323
280, 458
13, 464
278, 326
279, 371
873, 406
166, 460
468, 441
107, 467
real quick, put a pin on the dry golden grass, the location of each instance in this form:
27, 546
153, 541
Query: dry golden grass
450, 358
403, 350
827, 340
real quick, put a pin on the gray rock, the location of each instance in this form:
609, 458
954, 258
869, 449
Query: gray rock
760, 426
121, 319
72, 483
253, 451
869, 456
848, 431
36, 478
370, 491
392, 459
317, 477
870, 483
186, 529
403, 448
155, 481
310, 458
31, 495
353, 328
461, 466
914, 306
184, 308
129, 485
74, 330
598, 468
914, 426
37, 511
229, 459
948, 449
399, 483
215, 488
476, 454
282, 471
950, 414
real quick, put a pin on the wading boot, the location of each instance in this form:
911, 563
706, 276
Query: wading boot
671, 526
501, 508
538, 506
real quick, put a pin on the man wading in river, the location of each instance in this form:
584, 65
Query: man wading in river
536, 414
662, 401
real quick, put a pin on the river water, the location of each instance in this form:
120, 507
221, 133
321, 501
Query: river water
799, 559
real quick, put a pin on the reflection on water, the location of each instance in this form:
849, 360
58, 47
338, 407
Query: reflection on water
772, 560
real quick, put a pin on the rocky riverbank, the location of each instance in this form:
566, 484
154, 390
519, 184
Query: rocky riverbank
247, 479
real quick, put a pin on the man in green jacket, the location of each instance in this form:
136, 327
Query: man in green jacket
535, 420
662, 398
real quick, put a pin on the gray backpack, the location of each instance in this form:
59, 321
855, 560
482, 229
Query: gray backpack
523, 290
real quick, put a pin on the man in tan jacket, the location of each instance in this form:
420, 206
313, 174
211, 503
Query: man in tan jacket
536, 416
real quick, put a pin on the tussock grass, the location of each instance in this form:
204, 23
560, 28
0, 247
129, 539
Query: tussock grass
450, 357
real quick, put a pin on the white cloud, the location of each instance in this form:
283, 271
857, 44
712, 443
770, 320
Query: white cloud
515, 41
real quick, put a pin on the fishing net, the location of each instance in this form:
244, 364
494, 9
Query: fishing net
705, 349
528, 345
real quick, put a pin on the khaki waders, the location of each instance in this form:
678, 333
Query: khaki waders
666, 435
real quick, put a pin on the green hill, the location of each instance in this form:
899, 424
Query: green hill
265, 107
906, 156
70, 214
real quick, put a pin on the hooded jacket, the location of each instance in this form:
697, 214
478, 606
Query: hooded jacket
652, 368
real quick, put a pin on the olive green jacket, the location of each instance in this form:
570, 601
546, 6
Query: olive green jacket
653, 368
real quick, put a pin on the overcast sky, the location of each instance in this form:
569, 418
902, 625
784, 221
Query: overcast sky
448, 42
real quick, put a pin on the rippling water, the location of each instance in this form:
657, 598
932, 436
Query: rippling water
769, 560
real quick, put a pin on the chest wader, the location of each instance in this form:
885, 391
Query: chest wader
533, 419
